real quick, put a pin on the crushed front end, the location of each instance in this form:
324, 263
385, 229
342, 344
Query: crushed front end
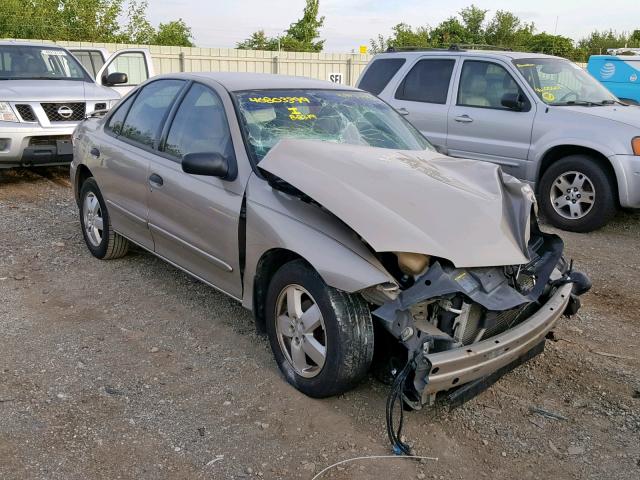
461, 328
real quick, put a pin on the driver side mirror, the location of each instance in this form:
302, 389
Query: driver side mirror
513, 101
115, 78
210, 164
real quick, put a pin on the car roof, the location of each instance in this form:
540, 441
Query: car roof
29, 44
468, 53
235, 81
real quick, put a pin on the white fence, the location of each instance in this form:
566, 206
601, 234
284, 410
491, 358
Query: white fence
345, 68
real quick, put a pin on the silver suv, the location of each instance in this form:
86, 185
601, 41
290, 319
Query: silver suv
542, 118
44, 93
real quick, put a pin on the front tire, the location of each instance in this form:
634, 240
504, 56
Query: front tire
321, 337
101, 240
577, 194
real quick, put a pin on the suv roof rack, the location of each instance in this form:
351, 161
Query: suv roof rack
452, 48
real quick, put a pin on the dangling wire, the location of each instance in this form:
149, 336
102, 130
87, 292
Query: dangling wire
397, 388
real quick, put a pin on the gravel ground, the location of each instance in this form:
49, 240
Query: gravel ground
131, 369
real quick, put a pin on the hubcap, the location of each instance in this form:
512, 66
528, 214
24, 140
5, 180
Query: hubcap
301, 332
572, 195
92, 216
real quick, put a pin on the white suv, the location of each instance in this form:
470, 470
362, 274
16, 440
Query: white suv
542, 118
45, 92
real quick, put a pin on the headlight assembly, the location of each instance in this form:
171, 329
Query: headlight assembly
635, 145
6, 113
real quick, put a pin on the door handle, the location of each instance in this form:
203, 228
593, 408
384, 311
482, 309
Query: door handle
95, 152
402, 111
156, 180
463, 119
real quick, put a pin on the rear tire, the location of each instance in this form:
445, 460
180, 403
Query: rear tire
101, 240
344, 328
576, 194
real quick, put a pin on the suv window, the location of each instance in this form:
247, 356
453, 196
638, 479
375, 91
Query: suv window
200, 125
117, 118
483, 84
428, 81
379, 73
148, 111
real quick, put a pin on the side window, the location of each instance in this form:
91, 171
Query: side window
200, 125
131, 63
483, 84
379, 73
117, 119
428, 81
148, 111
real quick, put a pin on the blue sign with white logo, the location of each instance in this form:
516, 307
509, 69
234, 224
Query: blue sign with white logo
618, 73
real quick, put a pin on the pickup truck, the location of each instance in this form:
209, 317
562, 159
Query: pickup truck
45, 92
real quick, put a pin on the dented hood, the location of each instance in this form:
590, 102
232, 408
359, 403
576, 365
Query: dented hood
468, 212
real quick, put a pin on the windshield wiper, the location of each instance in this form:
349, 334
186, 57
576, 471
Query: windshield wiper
585, 103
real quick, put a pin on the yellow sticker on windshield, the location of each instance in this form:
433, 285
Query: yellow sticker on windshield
548, 88
548, 96
279, 99
298, 115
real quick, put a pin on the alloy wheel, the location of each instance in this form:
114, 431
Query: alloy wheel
572, 195
93, 221
301, 331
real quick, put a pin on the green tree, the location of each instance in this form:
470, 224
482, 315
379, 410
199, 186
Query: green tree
176, 33
473, 19
551, 44
449, 32
258, 41
301, 36
506, 29
138, 29
87, 20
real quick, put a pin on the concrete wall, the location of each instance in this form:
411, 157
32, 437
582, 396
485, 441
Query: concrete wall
185, 59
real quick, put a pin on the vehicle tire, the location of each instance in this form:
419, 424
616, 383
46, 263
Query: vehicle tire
100, 238
577, 194
306, 318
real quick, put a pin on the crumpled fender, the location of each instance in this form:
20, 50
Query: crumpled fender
274, 220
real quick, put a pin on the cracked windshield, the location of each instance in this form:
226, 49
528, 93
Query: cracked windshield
559, 82
338, 116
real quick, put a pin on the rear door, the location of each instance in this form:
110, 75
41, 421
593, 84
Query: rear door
479, 127
423, 96
194, 218
135, 62
131, 135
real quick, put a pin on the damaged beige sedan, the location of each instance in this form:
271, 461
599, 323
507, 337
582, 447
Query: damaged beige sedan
355, 243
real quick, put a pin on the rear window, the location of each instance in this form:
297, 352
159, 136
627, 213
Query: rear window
428, 81
379, 73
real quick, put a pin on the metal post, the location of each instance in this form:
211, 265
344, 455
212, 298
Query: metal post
181, 59
274, 68
349, 62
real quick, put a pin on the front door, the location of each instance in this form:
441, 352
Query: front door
193, 218
480, 127
136, 63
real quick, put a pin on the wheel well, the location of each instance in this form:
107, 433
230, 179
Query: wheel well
561, 151
268, 265
81, 175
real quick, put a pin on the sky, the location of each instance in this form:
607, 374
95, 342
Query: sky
350, 23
